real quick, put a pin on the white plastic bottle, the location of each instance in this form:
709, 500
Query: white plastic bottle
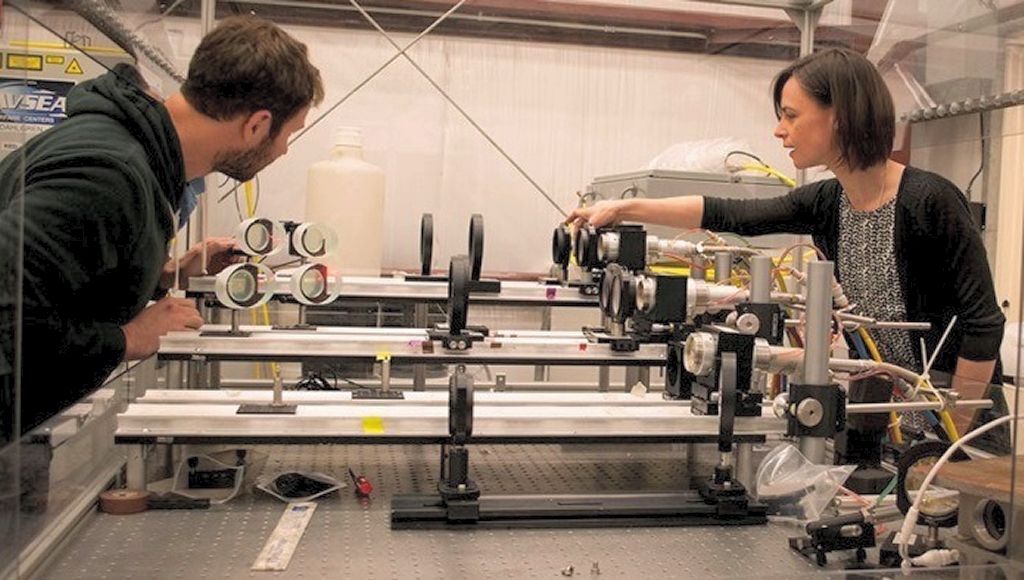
346, 194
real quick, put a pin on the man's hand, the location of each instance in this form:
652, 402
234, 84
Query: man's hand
142, 334
220, 253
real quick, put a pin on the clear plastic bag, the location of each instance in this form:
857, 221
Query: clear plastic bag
706, 156
790, 485
218, 476
293, 486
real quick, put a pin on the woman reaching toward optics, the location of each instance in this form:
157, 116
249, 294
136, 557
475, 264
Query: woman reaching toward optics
902, 238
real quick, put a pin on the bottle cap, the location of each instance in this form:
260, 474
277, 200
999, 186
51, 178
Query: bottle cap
350, 136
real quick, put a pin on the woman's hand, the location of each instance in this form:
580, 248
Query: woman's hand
600, 214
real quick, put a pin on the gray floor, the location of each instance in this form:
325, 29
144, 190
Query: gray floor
350, 538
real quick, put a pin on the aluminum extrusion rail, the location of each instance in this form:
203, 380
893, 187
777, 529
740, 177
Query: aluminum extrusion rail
513, 293
263, 343
333, 417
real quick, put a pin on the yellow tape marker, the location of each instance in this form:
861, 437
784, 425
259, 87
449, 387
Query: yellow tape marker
373, 425
24, 61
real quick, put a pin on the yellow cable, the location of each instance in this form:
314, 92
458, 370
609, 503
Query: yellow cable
949, 425
944, 416
250, 199
788, 181
894, 428
670, 270
870, 344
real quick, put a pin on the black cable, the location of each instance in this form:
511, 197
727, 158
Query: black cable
981, 166
632, 191
738, 152
277, 267
354, 384
589, 195
334, 376
234, 190
313, 382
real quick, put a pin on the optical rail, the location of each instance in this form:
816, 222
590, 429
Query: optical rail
265, 343
512, 293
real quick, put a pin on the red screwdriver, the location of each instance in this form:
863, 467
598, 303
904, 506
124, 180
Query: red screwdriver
361, 485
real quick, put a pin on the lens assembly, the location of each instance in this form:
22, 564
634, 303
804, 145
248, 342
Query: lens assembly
310, 285
242, 286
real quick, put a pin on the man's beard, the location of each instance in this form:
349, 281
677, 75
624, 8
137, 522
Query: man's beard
244, 165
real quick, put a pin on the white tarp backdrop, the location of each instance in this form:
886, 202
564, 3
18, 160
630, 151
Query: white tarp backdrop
562, 113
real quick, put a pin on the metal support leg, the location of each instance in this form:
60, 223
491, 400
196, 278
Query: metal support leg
632, 377
214, 376
174, 376
603, 379
385, 372
135, 470
540, 373
197, 375
745, 464
817, 335
419, 371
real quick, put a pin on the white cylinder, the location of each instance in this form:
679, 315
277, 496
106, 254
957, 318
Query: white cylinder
346, 194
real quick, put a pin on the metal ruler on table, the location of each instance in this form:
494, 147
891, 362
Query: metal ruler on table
281, 544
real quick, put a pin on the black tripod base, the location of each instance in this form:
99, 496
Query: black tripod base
571, 511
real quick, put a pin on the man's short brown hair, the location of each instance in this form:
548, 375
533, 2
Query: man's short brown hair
248, 64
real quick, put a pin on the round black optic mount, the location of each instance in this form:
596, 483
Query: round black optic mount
426, 243
458, 293
476, 245
561, 245
940, 506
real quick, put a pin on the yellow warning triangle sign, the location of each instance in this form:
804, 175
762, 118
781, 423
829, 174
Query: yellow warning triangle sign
73, 68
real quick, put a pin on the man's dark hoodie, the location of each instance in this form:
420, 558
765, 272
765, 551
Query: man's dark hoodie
86, 215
